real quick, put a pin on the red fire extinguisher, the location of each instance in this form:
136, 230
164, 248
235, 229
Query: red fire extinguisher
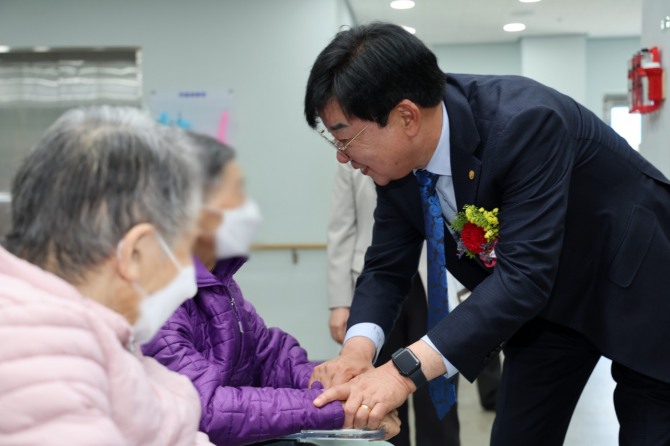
646, 83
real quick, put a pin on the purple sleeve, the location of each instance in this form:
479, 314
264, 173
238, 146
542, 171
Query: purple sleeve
243, 415
279, 356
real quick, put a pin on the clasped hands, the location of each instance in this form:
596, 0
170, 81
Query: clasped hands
370, 396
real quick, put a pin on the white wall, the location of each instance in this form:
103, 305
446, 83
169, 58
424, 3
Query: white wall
492, 58
599, 67
607, 68
655, 145
263, 51
559, 62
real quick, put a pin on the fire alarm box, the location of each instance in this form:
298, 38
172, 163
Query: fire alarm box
646, 82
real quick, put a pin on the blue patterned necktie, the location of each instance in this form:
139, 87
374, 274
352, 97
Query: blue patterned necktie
442, 390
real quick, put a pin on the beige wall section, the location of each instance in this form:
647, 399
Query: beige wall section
655, 144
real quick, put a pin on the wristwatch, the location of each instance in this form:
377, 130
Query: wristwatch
409, 365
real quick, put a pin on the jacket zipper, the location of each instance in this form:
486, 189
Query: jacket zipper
237, 315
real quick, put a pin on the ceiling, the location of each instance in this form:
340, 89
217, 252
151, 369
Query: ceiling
478, 21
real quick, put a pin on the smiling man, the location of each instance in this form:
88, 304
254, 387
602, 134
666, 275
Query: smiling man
407, 147
581, 241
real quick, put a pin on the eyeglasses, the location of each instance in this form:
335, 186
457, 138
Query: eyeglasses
339, 146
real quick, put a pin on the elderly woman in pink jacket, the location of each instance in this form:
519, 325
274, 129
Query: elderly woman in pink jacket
98, 257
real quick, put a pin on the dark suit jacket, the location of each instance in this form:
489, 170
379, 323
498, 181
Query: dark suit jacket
584, 230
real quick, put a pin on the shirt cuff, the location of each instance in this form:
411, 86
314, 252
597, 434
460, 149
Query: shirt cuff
368, 330
451, 370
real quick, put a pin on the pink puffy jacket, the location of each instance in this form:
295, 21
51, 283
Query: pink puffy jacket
68, 377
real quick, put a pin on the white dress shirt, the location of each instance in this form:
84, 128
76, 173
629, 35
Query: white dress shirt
439, 164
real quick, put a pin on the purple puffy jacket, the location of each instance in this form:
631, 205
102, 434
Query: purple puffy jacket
252, 379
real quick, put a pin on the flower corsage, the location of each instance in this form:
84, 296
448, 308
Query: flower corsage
477, 231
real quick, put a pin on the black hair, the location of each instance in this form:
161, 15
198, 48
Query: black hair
369, 69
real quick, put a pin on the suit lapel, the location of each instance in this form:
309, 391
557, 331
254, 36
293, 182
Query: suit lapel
464, 140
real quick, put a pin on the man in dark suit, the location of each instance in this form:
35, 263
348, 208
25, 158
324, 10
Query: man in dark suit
582, 255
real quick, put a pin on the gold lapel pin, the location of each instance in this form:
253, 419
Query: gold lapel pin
471, 174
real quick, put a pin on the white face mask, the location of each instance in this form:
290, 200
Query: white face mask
237, 230
157, 307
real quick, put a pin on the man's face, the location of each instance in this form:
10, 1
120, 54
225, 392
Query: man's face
382, 153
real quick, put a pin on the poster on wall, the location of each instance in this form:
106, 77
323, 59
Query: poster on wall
204, 111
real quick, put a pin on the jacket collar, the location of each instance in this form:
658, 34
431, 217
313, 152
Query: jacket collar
50, 284
222, 274
16, 267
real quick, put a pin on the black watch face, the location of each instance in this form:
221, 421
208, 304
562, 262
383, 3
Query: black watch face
406, 362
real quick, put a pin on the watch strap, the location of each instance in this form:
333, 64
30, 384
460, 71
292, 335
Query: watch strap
418, 378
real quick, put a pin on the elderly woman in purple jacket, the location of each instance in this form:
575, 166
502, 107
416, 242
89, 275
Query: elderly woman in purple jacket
252, 380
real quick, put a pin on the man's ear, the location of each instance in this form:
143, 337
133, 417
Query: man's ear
409, 115
133, 249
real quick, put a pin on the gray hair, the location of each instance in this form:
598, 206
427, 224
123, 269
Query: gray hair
96, 173
213, 155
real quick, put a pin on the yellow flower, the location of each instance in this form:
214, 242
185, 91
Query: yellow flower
487, 220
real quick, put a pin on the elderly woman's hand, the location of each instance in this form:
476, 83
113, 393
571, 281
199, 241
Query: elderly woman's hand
355, 358
391, 424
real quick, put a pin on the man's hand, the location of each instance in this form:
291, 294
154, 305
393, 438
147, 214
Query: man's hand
338, 323
369, 397
390, 423
355, 358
